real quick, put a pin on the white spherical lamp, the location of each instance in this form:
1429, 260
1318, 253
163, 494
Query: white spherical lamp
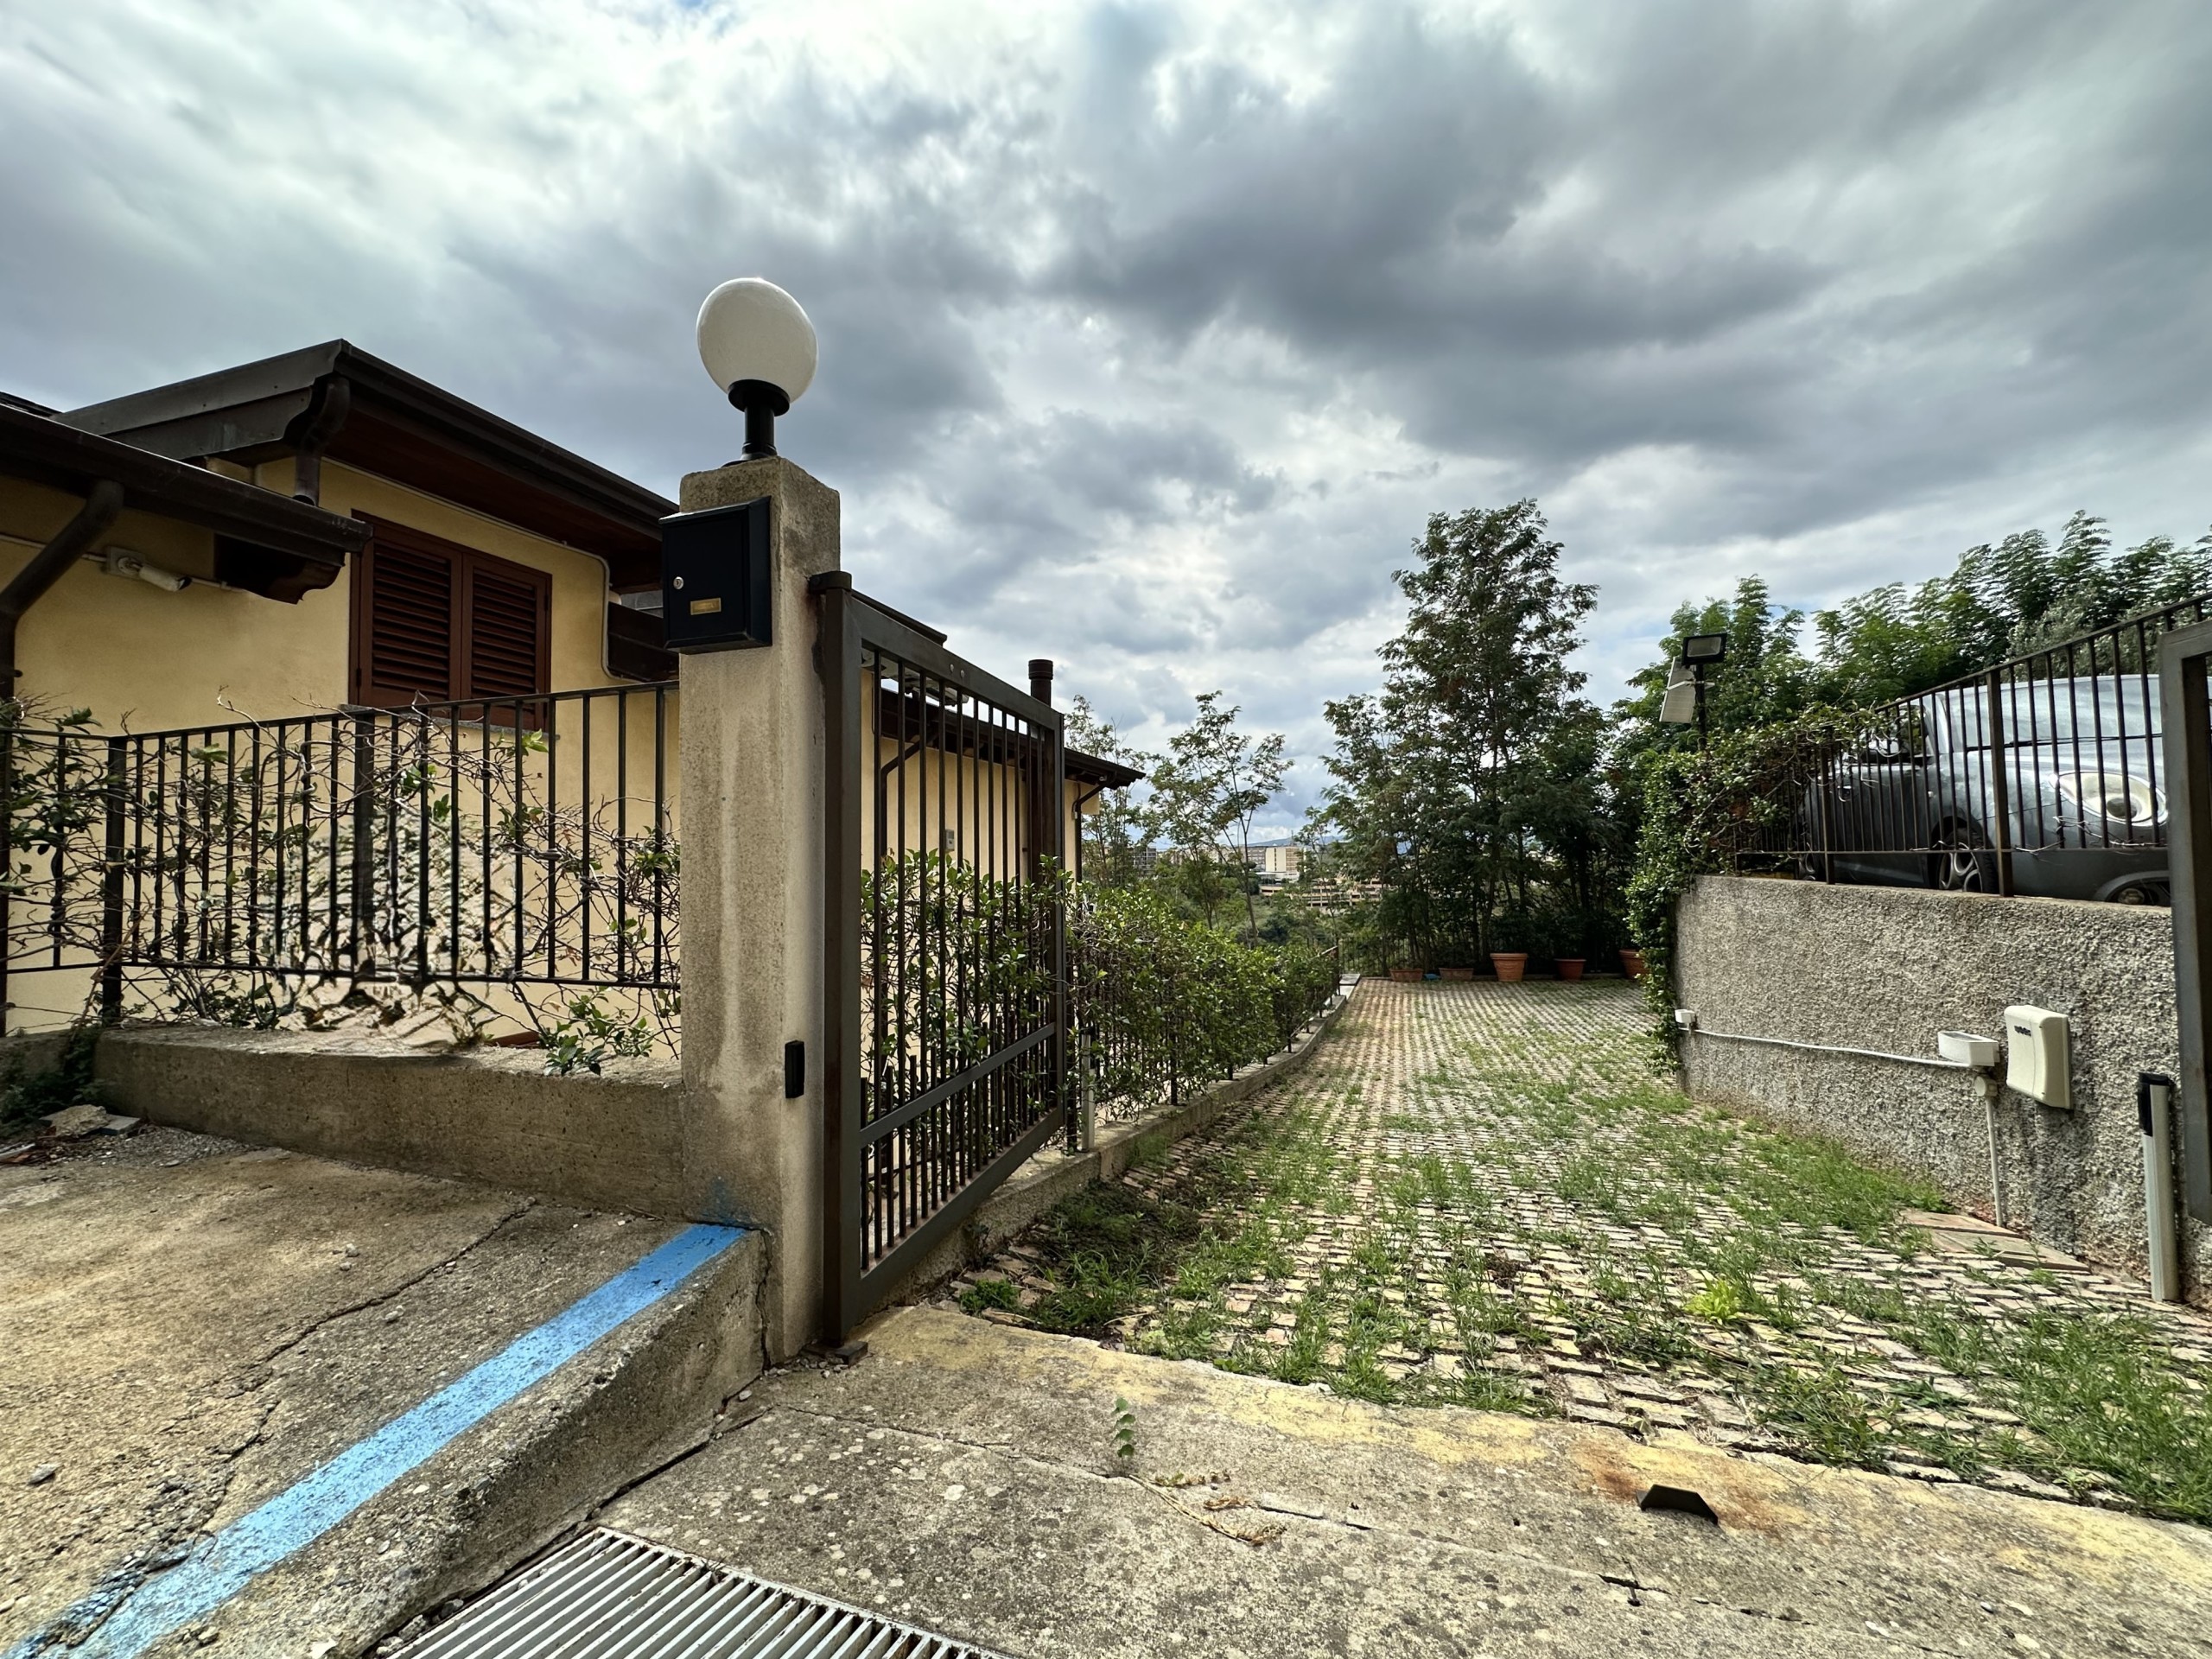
759, 347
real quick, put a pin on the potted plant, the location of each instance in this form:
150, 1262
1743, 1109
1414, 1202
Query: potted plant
1567, 930
1458, 973
1632, 962
1510, 935
1405, 976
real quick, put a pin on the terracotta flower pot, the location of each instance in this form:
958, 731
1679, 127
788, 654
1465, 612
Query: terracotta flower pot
1458, 973
1570, 967
1632, 964
1405, 976
1510, 964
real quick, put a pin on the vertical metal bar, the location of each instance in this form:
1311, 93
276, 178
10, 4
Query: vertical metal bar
160, 844
452, 845
844, 756
2000, 801
660, 829
487, 940
2146, 671
363, 864
521, 827
1057, 921
584, 799
11, 713
112, 888
2182, 658
230, 846
622, 953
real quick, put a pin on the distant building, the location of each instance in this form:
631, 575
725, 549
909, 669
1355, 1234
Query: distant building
1277, 860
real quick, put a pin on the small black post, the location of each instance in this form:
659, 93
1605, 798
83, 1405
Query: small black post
1698, 669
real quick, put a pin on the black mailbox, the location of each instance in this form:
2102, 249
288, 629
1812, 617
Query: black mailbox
716, 592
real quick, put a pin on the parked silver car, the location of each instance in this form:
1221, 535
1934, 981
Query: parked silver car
2082, 779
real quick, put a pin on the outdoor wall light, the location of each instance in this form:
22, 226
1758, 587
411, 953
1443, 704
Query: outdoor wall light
759, 347
1685, 697
1705, 648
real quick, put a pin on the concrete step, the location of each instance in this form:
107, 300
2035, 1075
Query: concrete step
964, 1476
288, 1404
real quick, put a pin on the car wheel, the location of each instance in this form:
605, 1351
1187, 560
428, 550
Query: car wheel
1954, 862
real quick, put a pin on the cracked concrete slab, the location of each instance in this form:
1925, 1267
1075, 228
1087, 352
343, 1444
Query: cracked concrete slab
962, 1475
190, 1334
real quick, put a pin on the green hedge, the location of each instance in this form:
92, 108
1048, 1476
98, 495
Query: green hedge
1168, 1005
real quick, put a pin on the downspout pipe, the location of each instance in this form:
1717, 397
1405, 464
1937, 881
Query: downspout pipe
334, 402
103, 505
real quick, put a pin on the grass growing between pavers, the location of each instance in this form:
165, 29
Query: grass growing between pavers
1482, 1196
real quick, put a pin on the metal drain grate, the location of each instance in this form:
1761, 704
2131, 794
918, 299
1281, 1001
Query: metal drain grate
609, 1594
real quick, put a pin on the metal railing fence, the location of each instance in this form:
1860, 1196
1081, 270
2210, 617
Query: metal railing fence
2041, 775
527, 840
1152, 1020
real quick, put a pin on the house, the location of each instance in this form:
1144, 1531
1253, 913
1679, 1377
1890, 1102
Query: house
431, 551
238, 571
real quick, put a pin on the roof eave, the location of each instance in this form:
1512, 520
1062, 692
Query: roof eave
266, 543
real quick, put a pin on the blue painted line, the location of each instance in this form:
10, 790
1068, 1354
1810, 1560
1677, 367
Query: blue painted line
295, 1518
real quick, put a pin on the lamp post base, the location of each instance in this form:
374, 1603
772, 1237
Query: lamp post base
761, 402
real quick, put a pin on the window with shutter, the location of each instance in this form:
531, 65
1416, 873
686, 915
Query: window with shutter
437, 622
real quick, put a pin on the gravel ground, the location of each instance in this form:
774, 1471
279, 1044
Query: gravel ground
1484, 1195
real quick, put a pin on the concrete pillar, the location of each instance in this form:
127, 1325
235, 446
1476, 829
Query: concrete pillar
752, 737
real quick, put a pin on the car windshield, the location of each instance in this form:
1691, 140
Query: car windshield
2050, 712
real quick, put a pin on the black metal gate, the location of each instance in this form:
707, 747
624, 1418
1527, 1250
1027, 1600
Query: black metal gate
945, 943
2185, 676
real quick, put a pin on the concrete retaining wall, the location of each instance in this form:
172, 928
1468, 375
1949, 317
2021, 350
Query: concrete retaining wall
1886, 968
610, 1142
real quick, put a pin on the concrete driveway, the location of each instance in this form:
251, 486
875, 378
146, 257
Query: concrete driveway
268, 1397
965, 1476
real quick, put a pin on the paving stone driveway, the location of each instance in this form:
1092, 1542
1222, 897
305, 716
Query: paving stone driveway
1482, 1194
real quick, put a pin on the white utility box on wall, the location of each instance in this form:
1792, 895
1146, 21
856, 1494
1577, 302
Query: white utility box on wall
2037, 1062
1964, 1048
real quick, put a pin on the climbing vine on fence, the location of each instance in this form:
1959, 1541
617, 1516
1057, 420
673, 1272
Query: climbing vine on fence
1715, 811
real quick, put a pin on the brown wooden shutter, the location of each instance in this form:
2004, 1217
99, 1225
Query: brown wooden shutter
505, 607
437, 622
403, 624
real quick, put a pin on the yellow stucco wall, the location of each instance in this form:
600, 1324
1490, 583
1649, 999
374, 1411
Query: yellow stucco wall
145, 660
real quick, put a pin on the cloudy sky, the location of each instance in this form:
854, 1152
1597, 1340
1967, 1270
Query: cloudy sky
1151, 333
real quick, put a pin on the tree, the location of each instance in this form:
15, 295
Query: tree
1115, 833
2005, 600
1469, 786
1206, 792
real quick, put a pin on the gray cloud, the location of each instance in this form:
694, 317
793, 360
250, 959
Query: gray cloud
1152, 333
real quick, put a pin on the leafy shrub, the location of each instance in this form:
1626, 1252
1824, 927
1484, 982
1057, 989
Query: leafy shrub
1719, 811
27, 1095
1167, 1003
